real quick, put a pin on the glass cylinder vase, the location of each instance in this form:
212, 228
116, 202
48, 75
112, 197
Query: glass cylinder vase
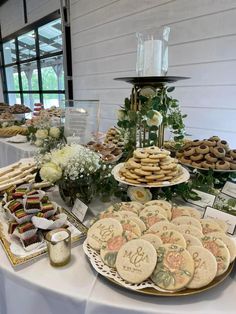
152, 52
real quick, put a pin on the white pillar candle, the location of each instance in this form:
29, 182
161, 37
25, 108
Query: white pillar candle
152, 54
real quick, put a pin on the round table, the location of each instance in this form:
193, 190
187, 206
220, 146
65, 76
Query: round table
76, 289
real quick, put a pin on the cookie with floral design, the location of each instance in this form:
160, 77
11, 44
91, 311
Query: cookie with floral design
155, 209
136, 260
172, 237
205, 267
103, 230
161, 226
150, 218
178, 211
162, 203
130, 225
191, 240
188, 221
219, 250
209, 225
228, 241
154, 239
174, 269
189, 229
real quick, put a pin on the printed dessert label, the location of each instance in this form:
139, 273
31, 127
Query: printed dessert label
79, 209
229, 189
206, 199
211, 212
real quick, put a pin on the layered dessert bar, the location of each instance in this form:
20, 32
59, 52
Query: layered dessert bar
19, 193
20, 213
46, 207
34, 239
32, 203
12, 226
13, 206
25, 227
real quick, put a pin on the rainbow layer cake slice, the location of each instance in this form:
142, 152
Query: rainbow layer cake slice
32, 203
13, 206
26, 226
47, 207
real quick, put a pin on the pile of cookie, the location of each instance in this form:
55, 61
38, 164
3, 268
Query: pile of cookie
18, 109
113, 136
108, 152
170, 246
13, 130
151, 166
212, 153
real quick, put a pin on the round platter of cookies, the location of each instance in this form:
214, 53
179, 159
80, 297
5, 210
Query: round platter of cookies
159, 249
212, 153
151, 167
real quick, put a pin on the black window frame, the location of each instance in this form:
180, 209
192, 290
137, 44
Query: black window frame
38, 58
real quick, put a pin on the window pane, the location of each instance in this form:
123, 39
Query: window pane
30, 100
14, 99
29, 76
50, 37
9, 51
26, 45
12, 78
56, 100
52, 73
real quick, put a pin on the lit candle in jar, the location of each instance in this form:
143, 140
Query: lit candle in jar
59, 246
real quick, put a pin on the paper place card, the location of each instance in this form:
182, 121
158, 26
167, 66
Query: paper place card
79, 209
229, 189
211, 212
206, 199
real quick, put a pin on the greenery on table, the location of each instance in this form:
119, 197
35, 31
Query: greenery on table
142, 125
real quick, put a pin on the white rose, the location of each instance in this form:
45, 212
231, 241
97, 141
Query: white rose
5, 124
121, 115
38, 143
50, 172
139, 194
41, 134
156, 119
54, 132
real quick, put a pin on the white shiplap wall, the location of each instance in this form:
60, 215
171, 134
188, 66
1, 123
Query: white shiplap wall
202, 46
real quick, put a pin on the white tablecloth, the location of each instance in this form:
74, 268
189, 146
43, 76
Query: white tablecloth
12, 152
76, 289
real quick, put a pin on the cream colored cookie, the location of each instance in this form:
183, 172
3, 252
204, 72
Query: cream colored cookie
127, 214
191, 240
150, 218
229, 242
179, 211
131, 164
109, 214
220, 251
172, 237
139, 222
150, 168
129, 174
136, 260
131, 206
154, 239
154, 209
130, 225
140, 153
174, 269
193, 212
141, 172
205, 267
188, 221
133, 181
189, 229
209, 225
154, 177
103, 230
221, 223
161, 226
150, 161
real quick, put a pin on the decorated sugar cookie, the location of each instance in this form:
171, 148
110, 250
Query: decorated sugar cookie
154, 239
220, 251
103, 230
188, 221
172, 237
127, 214
209, 225
193, 212
130, 225
228, 241
174, 268
189, 229
136, 260
191, 240
150, 218
139, 222
164, 204
179, 211
205, 267
155, 209
161, 226
221, 223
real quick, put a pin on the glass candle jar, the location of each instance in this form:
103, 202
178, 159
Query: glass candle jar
59, 246
152, 52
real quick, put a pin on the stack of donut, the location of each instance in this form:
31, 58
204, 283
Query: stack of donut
212, 153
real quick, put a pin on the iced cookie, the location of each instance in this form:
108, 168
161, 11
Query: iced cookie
150, 218
109, 214
140, 223
162, 203
191, 240
136, 260
229, 242
221, 223
110, 250
154, 239
130, 225
193, 212
179, 211
174, 268
209, 225
188, 221
205, 267
161, 226
127, 214
103, 230
172, 237
220, 251
188, 229
154, 209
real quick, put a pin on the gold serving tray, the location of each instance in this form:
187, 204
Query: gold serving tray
17, 261
184, 292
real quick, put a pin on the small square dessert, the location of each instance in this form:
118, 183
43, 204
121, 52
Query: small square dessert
34, 239
26, 226
46, 207
12, 226
45, 199
13, 206
32, 192
32, 203
19, 193
20, 213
